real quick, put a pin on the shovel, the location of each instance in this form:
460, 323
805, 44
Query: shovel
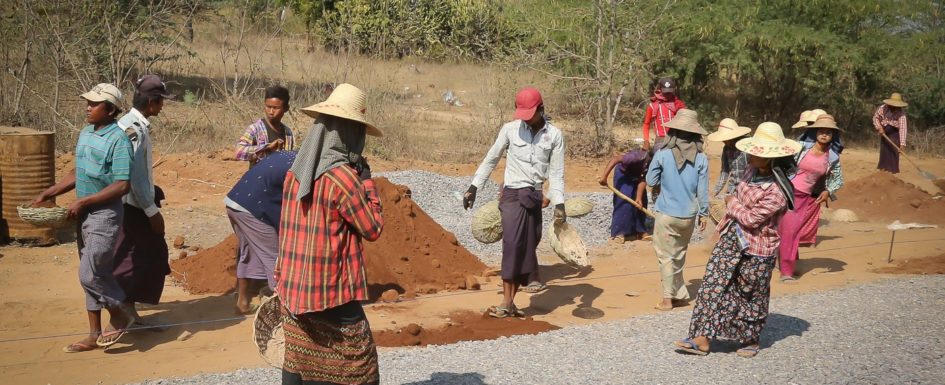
610, 185
925, 174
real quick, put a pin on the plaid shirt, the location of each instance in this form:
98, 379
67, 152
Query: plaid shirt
321, 265
734, 163
755, 211
884, 116
256, 137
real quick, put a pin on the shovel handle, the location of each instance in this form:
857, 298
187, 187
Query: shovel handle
610, 185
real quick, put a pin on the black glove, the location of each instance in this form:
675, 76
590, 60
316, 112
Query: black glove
364, 170
469, 197
560, 215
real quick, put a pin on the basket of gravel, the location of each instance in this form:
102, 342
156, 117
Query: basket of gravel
567, 243
578, 207
267, 331
487, 223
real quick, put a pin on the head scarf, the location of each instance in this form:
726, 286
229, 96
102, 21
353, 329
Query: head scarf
331, 142
685, 146
810, 136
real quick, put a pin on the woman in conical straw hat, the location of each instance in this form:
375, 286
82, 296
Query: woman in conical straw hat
681, 170
734, 162
890, 119
732, 303
330, 205
816, 179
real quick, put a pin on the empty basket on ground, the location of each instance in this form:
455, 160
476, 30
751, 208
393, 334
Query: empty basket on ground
567, 243
44, 216
717, 210
267, 331
487, 223
578, 207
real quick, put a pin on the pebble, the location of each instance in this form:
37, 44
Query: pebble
888, 332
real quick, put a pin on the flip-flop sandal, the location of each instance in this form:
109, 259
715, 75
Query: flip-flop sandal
687, 345
534, 287
748, 351
788, 280
499, 312
110, 334
79, 347
514, 311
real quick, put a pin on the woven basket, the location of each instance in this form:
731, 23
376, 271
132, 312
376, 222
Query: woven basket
487, 223
267, 331
567, 243
717, 210
44, 216
578, 207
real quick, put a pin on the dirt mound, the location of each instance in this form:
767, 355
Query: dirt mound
882, 197
414, 255
928, 265
462, 326
209, 271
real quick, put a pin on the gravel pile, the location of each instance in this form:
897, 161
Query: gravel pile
436, 194
889, 332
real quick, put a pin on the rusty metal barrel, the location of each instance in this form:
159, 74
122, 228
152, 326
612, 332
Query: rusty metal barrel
27, 167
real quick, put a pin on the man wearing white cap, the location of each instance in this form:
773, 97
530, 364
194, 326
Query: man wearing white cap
103, 157
534, 151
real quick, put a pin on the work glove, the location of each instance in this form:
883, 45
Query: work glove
560, 216
469, 198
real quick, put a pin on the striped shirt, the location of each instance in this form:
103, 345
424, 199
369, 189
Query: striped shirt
256, 137
102, 157
756, 209
885, 116
321, 264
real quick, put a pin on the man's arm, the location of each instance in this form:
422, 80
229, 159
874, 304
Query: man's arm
247, 146
492, 159
141, 188
556, 172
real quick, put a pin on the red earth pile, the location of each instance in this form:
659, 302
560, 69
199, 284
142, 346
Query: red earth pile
882, 196
463, 326
414, 255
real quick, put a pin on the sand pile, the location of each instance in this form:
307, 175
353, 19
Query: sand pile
211, 270
462, 326
882, 197
414, 255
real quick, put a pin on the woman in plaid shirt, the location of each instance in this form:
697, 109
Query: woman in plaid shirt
732, 303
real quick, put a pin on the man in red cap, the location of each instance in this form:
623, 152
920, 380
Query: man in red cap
664, 104
534, 151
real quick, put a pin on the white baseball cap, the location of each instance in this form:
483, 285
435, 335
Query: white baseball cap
104, 92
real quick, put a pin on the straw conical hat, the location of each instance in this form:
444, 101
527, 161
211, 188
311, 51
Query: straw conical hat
825, 121
804, 119
686, 120
895, 100
768, 142
346, 101
728, 129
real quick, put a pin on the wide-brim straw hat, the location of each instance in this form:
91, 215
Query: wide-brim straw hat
803, 120
686, 120
728, 130
895, 100
768, 142
348, 102
825, 121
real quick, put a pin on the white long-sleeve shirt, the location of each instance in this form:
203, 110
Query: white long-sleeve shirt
531, 159
137, 127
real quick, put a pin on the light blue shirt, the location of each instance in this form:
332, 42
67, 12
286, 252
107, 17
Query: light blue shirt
530, 159
684, 193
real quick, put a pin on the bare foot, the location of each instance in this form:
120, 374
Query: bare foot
118, 324
665, 305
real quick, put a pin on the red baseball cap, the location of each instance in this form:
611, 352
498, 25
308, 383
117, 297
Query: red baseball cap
526, 102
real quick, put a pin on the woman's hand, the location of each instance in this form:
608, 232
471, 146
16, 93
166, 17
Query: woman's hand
602, 181
822, 197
